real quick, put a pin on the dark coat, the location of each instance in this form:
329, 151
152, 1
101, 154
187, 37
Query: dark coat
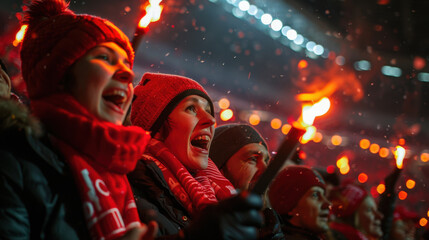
38, 198
292, 232
155, 201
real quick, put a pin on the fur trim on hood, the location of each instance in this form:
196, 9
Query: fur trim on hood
15, 116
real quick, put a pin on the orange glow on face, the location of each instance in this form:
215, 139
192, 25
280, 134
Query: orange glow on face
254, 119
302, 64
276, 123
226, 114
423, 222
424, 157
364, 143
401, 142
286, 128
402, 195
373, 148
336, 140
384, 152
318, 137
153, 13
20, 35
362, 178
224, 103
399, 153
308, 135
410, 184
381, 188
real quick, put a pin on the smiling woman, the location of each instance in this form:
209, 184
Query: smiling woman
175, 177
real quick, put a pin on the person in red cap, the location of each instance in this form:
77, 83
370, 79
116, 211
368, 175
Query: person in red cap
175, 179
298, 195
356, 213
70, 182
404, 224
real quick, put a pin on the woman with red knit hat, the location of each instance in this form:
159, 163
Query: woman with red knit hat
175, 182
70, 182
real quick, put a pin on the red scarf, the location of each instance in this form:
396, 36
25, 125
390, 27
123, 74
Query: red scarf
99, 154
348, 231
207, 187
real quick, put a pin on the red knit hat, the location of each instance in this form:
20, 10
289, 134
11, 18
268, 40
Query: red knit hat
56, 38
157, 95
290, 185
346, 199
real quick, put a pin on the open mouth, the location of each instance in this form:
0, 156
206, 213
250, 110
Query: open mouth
201, 141
115, 96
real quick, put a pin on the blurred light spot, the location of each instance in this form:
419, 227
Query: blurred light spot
299, 39
244, 5
330, 169
427, 213
318, 50
308, 135
336, 140
318, 137
343, 165
291, 34
423, 77
266, 18
402, 195
374, 148
310, 46
259, 14
362, 178
237, 13
276, 123
20, 35
383, 2
345, 170
424, 157
302, 64
252, 10
384, 152
381, 188
362, 65
224, 103
226, 114
410, 183
423, 222
364, 143
276, 25
391, 71
419, 63
254, 119
401, 142
286, 128
340, 60
285, 29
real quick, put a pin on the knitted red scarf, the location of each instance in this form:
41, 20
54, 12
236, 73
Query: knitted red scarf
348, 231
207, 187
99, 154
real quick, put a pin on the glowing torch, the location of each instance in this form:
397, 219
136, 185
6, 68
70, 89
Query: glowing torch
309, 113
289, 145
399, 153
153, 14
20, 35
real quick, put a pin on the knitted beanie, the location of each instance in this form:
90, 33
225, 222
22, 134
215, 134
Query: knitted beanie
229, 139
346, 199
157, 95
56, 38
290, 185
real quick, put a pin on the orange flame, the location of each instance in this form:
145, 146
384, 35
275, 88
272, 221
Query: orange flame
399, 153
308, 135
310, 112
20, 35
153, 13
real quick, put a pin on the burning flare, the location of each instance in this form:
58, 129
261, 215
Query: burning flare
399, 153
153, 13
20, 35
309, 113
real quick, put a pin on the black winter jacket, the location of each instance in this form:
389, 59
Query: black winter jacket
38, 198
155, 201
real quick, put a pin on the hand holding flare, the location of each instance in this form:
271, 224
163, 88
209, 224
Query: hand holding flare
153, 14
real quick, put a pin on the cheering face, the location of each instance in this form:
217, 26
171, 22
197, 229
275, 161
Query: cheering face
102, 82
369, 218
246, 165
191, 128
312, 211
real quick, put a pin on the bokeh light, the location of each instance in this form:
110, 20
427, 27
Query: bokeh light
423, 222
364, 143
226, 114
362, 178
410, 183
384, 152
302, 64
336, 140
381, 188
402, 195
424, 157
286, 128
276, 123
254, 119
373, 148
318, 137
224, 103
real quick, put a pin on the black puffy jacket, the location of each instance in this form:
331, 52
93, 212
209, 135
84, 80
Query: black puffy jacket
38, 198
